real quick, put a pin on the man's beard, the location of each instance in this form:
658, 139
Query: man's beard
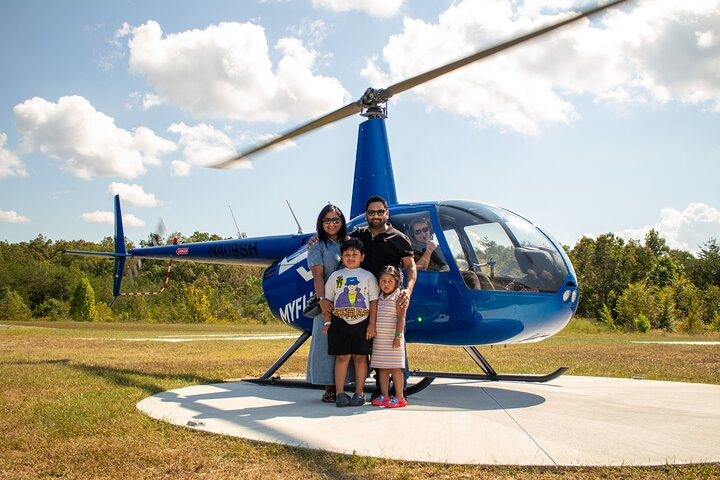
376, 222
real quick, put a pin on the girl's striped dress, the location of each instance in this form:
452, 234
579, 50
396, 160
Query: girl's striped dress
383, 353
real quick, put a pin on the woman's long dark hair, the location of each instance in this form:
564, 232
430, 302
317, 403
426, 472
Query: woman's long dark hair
321, 233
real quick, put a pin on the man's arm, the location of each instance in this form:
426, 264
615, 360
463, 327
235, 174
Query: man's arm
411, 276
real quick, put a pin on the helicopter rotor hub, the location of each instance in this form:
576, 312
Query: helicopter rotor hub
374, 102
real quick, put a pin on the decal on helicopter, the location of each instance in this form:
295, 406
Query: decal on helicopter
234, 250
288, 262
293, 310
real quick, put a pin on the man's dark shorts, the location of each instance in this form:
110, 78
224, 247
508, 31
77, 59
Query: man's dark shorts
344, 339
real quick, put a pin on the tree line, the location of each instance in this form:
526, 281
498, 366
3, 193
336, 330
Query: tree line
640, 285
37, 281
629, 285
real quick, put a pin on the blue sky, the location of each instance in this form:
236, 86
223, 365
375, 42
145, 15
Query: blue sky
612, 126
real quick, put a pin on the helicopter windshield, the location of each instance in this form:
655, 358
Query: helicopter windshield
496, 249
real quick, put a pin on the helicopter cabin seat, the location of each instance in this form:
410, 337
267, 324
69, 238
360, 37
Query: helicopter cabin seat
540, 271
474, 280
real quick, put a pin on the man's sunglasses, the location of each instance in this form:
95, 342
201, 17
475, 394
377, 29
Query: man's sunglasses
333, 220
421, 230
376, 213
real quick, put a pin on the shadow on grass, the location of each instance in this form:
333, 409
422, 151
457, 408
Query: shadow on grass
123, 377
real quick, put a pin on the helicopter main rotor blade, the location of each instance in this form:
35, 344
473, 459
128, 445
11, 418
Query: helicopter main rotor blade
374, 97
432, 74
339, 114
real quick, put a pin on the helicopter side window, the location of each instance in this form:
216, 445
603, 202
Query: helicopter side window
427, 252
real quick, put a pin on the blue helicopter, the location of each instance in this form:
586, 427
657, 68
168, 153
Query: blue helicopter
497, 278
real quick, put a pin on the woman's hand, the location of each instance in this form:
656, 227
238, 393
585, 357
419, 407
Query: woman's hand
326, 306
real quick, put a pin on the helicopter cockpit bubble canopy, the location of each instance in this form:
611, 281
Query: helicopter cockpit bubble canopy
502, 248
492, 278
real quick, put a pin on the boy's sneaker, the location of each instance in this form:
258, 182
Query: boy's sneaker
342, 400
393, 402
357, 400
379, 401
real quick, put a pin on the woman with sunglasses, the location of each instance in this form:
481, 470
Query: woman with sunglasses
324, 259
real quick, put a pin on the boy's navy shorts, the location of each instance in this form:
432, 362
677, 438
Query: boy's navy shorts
346, 339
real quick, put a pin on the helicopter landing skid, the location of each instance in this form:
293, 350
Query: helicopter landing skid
490, 373
268, 379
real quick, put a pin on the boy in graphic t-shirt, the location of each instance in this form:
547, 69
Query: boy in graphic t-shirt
353, 293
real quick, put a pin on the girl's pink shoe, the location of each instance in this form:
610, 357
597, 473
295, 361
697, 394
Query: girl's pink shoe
393, 402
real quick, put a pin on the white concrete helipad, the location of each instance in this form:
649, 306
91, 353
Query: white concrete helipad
569, 421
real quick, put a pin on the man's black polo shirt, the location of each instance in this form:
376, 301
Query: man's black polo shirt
386, 248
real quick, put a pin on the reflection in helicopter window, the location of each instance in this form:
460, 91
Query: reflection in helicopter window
496, 249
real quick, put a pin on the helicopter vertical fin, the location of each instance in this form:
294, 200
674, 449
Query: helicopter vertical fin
373, 167
120, 251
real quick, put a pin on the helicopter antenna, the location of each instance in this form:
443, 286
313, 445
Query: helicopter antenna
296, 220
240, 235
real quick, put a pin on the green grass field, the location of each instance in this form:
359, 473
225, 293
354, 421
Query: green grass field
68, 393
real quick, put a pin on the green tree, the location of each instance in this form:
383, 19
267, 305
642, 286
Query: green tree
636, 300
707, 268
198, 304
12, 307
82, 305
667, 316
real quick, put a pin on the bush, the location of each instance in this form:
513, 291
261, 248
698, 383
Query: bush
635, 301
82, 305
12, 307
642, 323
606, 317
52, 309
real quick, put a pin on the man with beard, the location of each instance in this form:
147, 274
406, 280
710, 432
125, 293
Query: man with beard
384, 245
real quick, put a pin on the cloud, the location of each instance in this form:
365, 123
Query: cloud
651, 52
132, 194
377, 8
685, 230
202, 145
225, 71
129, 220
10, 164
12, 216
87, 141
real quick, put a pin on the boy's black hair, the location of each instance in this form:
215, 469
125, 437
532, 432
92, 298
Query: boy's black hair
376, 198
351, 242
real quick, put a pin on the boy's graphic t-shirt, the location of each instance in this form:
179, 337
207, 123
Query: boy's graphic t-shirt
351, 290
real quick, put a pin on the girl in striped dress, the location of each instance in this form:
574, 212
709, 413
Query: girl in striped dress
388, 351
